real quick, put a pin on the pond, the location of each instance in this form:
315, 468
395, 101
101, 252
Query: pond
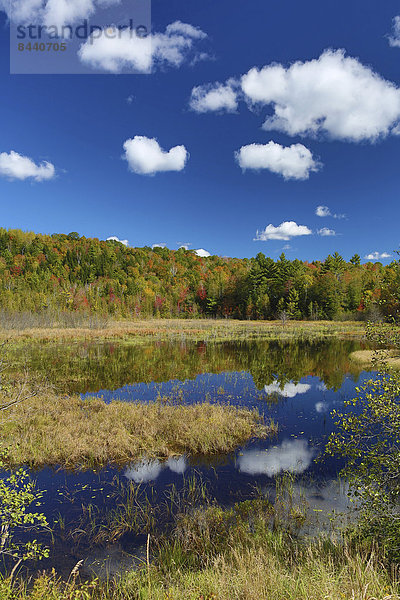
297, 384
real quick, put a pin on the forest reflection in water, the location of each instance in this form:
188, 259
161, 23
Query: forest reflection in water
91, 366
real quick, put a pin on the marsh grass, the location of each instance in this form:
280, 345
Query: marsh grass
25, 320
375, 358
65, 430
93, 328
216, 554
139, 511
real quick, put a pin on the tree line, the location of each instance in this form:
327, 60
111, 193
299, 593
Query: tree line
69, 272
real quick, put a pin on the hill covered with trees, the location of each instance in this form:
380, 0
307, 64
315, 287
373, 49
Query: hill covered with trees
69, 272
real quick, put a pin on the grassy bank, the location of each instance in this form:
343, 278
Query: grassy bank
255, 573
215, 554
371, 358
65, 430
176, 329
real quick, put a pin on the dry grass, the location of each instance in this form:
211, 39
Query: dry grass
255, 573
68, 431
370, 358
195, 329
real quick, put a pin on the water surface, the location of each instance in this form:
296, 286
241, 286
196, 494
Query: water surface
297, 384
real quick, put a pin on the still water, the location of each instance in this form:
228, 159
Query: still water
297, 384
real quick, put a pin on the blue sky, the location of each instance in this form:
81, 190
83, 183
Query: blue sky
199, 194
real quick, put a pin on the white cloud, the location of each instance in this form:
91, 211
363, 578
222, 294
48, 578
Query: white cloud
214, 97
116, 239
284, 231
323, 211
394, 39
51, 12
16, 166
288, 390
326, 232
293, 456
292, 162
162, 245
63, 12
22, 11
334, 94
202, 253
124, 51
190, 31
143, 471
377, 255
146, 157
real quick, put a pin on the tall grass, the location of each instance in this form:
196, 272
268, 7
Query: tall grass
202, 551
53, 326
65, 430
50, 318
231, 555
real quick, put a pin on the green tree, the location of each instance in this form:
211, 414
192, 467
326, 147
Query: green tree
355, 260
368, 437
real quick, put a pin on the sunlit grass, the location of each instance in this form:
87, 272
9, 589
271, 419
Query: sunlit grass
194, 329
370, 358
66, 430
232, 554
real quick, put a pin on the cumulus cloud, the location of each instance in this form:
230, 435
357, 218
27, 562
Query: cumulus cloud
51, 12
293, 456
161, 245
377, 255
124, 51
326, 232
288, 390
217, 97
202, 253
284, 231
16, 166
334, 95
146, 157
394, 39
116, 239
323, 211
292, 162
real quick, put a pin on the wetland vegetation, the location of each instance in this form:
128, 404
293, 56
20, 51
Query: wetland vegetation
196, 464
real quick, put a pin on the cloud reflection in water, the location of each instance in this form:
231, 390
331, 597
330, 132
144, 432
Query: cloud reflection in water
293, 456
147, 470
288, 390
